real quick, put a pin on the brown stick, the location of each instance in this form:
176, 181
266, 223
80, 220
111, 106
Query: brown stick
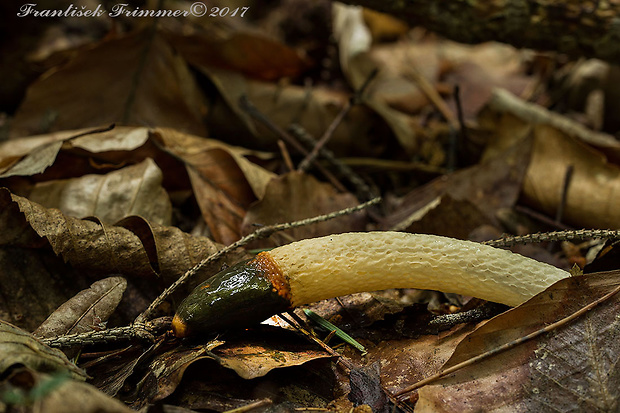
253, 111
574, 27
355, 99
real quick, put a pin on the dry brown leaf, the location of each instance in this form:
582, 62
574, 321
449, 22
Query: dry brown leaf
594, 189
256, 357
36, 161
252, 355
34, 154
595, 184
479, 69
34, 283
366, 389
132, 247
314, 109
166, 371
207, 386
110, 371
134, 190
20, 348
86, 311
121, 138
406, 361
575, 366
134, 79
296, 196
225, 183
532, 114
454, 205
251, 54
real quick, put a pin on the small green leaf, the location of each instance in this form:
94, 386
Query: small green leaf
337, 331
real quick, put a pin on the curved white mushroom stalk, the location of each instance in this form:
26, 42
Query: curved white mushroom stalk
315, 269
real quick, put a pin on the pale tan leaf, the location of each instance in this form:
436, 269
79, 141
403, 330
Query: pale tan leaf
86, 311
121, 138
37, 161
255, 359
594, 188
133, 190
31, 155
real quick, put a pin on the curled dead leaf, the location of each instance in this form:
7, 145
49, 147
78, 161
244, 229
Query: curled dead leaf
132, 247
594, 187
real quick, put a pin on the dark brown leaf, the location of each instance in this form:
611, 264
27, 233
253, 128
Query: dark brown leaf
454, 205
134, 79
249, 53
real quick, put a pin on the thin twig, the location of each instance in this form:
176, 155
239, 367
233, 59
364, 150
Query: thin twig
286, 155
362, 188
259, 233
251, 406
554, 236
559, 213
431, 93
250, 109
568, 176
142, 331
329, 132
460, 114
509, 345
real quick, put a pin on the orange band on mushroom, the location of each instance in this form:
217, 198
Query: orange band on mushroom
271, 270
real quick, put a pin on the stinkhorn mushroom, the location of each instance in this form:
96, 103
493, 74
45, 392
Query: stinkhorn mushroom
319, 268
